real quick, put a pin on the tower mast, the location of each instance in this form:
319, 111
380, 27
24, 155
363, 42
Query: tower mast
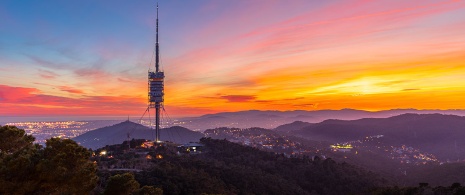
156, 87
157, 48
158, 103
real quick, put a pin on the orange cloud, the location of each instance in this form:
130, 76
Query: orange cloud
238, 98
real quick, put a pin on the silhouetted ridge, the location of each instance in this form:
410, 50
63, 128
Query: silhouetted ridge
273, 119
437, 134
296, 125
119, 132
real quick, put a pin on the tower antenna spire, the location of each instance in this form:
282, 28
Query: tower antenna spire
157, 48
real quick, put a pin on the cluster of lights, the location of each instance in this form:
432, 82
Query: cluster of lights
50, 125
342, 146
261, 140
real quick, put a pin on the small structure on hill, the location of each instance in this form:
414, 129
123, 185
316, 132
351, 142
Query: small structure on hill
190, 148
147, 144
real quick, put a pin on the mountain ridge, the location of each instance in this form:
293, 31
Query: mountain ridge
438, 134
256, 118
119, 132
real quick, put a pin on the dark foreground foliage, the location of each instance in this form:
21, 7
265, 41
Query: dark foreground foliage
229, 168
122, 184
62, 167
422, 189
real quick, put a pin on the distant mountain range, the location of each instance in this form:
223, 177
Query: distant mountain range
438, 134
273, 119
380, 144
408, 143
118, 133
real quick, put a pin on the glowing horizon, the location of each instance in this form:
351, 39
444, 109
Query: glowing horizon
89, 58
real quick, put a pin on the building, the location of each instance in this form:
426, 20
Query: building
191, 148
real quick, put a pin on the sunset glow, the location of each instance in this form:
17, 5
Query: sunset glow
62, 58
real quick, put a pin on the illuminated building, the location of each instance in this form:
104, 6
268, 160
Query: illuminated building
191, 148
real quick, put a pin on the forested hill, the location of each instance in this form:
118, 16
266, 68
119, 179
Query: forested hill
118, 133
229, 168
433, 133
296, 125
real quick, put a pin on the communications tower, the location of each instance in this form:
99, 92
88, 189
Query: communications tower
156, 88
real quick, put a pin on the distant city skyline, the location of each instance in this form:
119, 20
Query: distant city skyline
84, 58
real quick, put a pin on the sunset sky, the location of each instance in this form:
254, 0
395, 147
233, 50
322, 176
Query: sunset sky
69, 58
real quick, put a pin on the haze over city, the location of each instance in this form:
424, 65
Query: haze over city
63, 58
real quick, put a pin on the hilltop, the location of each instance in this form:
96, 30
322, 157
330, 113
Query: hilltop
119, 132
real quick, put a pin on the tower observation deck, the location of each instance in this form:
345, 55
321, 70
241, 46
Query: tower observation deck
156, 86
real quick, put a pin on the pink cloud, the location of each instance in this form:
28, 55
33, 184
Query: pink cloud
311, 33
47, 74
70, 89
9, 94
30, 101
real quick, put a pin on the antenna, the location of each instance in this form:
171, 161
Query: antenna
128, 140
157, 48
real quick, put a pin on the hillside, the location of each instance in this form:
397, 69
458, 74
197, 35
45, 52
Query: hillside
433, 133
119, 132
297, 125
228, 168
383, 146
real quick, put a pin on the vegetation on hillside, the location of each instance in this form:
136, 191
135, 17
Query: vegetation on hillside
229, 168
61, 167
223, 167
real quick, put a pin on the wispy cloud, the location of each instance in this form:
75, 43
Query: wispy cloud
238, 98
90, 72
46, 63
47, 74
70, 89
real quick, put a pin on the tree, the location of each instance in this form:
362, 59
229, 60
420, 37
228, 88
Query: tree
18, 157
62, 167
13, 139
66, 168
121, 184
150, 190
